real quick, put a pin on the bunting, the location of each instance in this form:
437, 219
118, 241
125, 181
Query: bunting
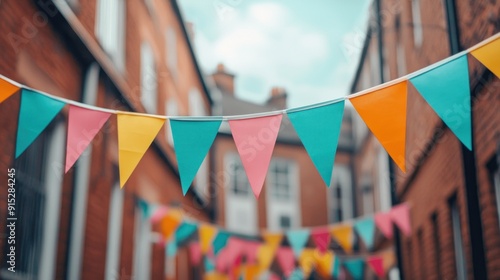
307, 261
35, 114
489, 56
450, 97
169, 223
384, 224
190, 148
400, 215
343, 234
255, 140
6, 90
185, 230
83, 126
220, 241
366, 230
195, 253
286, 260
135, 134
324, 263
319, 131
355, 267
321, 238
336, 268
207, 234
297, 239
384, 112
376, 263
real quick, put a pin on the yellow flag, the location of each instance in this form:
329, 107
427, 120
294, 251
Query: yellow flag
215, 276
273, 239
384, 112
265, 256
6, 89
170, 222
489, 56
135, 135
307, 261
343, 234
207, 234
324, 263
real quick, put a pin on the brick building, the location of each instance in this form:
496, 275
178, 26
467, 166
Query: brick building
454, 193
126, 55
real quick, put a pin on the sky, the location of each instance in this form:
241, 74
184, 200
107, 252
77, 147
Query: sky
311, 48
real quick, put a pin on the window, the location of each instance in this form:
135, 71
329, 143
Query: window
110, 29
367, 194
417, 23
142, 251
38, 192
171, 110
282, 195
339, 196
171, 44
114, 232
494, 169
149, 84
460, 263
239, 181
421, 252
436, 244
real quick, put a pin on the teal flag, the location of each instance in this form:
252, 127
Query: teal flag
192, 141
366, 230
319, 131
296, 275
209, 265
355, 267
336, 267
446, 89
220, 241
171, 248
185, 230
145, 208
35, 114
297, 239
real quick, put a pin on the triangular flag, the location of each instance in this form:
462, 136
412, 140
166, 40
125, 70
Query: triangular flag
336, 268
265, 255
190, 148
446, 88
324, 263
255, 139
489, 56
344, 236
297, 274
321, 238
194, 253
135, 135
185, 230
384, 112
286, 260
158, 214
206, 235
252, 272
355, 267
220, 241
169, 223
83, 126
6, 90
297, 239
35, 114
384, 224
144, 207
400, 215
366, 230
251, 249
319, 131
376, 263
273, 238
171, 249
209, 264
307, 261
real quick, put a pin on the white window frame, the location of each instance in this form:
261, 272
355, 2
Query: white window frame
341, 176
110, 29
460, 262
418, 33
171, 51
149, 79
278, 206
240, 208
143, 246
113, 245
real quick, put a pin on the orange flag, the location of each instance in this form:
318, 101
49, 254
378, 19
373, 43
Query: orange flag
6, 90
273, 239
207, 234
324, 263
170, 222
307, 261
344, 236
384, 112
489, 56
265, 256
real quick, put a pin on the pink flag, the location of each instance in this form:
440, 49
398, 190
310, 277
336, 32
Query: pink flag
158, 214
273, 276
195, 253
83, 125
377, 264
400, 215
384, 224
234, 249
251, 250
286, 260
321, 238
222, 261
255, 140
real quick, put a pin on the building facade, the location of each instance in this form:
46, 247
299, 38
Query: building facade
126, 55
453, 192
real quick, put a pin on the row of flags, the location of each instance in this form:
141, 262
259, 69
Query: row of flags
224, 252
444, 85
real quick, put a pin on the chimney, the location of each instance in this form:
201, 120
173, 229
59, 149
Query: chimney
223, 80
278, 98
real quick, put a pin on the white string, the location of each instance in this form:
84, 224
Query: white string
269, 113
